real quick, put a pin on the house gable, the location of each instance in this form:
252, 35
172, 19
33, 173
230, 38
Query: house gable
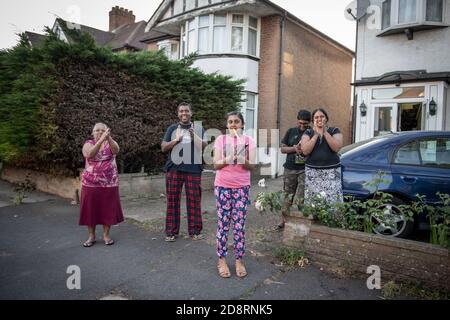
171, 10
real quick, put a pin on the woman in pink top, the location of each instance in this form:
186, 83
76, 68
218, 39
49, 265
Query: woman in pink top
234, 158
100, 201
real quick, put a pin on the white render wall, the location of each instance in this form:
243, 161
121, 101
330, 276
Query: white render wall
447, 111
238, 68
429, 50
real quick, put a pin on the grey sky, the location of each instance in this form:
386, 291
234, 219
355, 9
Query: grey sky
30, 15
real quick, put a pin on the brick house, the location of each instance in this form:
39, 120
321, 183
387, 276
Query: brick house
287, 63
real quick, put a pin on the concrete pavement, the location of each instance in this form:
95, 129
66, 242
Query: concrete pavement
41, 239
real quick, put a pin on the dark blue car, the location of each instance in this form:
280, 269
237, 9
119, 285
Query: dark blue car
414, 162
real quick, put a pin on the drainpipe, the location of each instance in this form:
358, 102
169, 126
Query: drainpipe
355, 102
280, 74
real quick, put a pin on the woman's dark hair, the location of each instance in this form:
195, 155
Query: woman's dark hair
321, 110
235, 113
304, 115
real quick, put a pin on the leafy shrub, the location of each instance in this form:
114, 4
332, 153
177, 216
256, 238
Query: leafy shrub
51, 97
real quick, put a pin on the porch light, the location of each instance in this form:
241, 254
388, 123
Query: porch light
363, 109
432, 107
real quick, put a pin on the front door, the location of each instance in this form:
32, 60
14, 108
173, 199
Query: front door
384, 119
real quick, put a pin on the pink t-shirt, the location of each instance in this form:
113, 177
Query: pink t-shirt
234, 175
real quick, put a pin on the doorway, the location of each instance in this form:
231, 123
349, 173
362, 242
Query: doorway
410, 117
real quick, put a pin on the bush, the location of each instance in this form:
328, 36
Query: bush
51, 97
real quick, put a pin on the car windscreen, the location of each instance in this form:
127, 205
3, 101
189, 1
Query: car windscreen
367, 142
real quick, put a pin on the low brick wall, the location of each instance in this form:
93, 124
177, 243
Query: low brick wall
134, 185
61, 186
347, 251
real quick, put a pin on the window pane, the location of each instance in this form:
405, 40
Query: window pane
249, 119
398, 93
407, 11
219, 39
383, 121
236, 38
386, 14
253, 22
252, 36
191, 47
434, 10
237, 18
250, 101
202, 3
203, 21
428, 152
174, 50
203, 34
220, 19
408, 154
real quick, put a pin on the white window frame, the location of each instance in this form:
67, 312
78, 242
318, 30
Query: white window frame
228, 28
245, 107
166, 45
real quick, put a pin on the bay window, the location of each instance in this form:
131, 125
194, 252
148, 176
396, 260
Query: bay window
414, 15
220, 33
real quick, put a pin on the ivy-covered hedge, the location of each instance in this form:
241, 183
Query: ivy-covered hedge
50, 98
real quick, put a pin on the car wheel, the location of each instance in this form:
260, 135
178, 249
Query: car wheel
392, 223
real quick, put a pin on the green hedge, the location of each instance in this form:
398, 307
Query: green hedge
51, 96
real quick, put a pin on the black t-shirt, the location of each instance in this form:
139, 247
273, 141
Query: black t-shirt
192, 164
322, 157
293, 161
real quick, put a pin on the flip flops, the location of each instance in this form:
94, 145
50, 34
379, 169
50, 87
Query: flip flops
88, 243
109, 242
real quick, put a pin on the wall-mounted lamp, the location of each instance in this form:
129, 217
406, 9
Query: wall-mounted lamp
363, 109
432, 107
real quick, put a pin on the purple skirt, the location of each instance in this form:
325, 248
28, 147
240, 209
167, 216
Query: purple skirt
100, 206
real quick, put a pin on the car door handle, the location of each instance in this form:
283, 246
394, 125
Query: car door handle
409, 180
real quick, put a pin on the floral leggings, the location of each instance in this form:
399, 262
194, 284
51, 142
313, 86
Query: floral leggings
232, 206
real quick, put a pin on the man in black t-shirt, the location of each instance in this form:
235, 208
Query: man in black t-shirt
184, 146
294, 167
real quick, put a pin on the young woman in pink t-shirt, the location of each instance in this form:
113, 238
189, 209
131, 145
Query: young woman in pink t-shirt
234, 158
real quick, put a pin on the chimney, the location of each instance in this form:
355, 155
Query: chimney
120, 16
